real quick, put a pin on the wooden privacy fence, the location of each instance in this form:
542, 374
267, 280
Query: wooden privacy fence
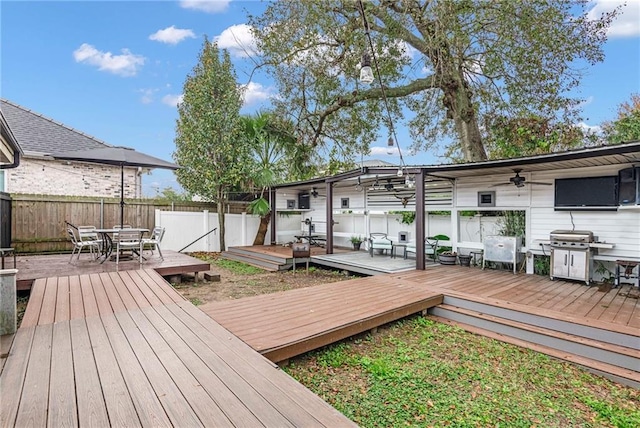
38, 222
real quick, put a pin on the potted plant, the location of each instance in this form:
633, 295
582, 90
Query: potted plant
464, 259
356, 240
447, 258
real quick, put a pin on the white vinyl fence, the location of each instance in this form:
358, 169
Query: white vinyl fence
182, 228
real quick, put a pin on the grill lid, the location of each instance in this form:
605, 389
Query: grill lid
572, 235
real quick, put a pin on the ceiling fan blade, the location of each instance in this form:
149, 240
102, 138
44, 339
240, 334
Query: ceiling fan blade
539, 183
501, 184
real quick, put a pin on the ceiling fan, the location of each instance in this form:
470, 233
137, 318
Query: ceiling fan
519, 181
315, 194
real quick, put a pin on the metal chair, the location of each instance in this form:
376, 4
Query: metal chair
79, 245
379, 241
129, 240
154, 241
89, 234
430, 248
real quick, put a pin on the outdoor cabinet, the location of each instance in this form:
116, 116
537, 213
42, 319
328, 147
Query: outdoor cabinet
502, 249
570, 264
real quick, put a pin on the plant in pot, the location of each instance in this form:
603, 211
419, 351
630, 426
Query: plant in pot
356, 241
447, 258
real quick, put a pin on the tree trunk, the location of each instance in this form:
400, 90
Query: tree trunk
221, 222
457, 100
262, 230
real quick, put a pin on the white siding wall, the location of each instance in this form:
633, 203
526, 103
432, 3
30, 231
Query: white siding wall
43, 177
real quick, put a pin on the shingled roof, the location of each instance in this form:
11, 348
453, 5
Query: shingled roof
40, 135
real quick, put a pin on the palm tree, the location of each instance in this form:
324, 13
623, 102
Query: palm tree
277, 157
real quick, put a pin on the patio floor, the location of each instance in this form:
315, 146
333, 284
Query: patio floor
125, 349
32, 267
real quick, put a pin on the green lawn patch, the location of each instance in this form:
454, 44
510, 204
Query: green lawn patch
418, 372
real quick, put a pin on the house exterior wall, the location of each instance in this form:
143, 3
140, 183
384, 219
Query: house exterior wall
620, 228
47, 177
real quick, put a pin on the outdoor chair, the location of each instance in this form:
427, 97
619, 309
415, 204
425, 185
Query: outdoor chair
118, 227
379, 241
154, 241
129, 240
430, 248
79, 245
89, 234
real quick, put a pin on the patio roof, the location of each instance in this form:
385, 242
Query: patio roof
585, 157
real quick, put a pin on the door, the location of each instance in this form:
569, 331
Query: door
578, 265
560, 266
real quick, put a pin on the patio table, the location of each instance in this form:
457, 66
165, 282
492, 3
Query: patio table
106, 236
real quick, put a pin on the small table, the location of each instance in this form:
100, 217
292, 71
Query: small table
394, 250
4, 252
627, 267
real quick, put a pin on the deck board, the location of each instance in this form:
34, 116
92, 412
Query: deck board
137, 353
32, 267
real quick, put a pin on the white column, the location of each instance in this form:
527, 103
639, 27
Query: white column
205, 229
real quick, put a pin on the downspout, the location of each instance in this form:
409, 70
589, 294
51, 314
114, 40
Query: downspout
16, 161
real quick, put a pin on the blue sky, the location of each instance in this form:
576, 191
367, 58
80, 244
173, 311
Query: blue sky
115, 70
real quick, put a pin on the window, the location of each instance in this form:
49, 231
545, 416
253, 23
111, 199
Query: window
487, 199
2, 181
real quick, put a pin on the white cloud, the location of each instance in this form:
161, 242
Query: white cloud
172, 100
627, 23
172, 35
382, 151
209, 6
238, 40
255, 93
590, 129
147, 95
127, 64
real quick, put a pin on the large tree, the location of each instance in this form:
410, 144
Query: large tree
449, 62
626, 126
209, 147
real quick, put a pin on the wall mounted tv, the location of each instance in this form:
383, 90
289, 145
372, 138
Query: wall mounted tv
587, 193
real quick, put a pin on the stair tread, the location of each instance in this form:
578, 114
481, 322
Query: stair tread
623, 350
253, 261
563, 355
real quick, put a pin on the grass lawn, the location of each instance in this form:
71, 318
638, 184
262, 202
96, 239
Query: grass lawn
418, 372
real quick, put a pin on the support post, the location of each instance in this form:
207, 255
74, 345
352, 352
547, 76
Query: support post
420, 229
272, 196
329, 245
8, 308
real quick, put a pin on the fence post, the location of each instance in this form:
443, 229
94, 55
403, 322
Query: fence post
8, 309
101, 213
244, 228
205, 226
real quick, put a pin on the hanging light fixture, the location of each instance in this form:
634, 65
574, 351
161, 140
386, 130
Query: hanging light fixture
399, 173
358, 186
366, 73
390, 146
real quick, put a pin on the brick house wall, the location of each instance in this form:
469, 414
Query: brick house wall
47, 177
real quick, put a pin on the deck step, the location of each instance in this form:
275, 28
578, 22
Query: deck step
255, 261
617, 362
250, 251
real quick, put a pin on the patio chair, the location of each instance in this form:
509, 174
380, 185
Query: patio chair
430, 248
79, 244
154, 241
89, 234
379, 241
129, 240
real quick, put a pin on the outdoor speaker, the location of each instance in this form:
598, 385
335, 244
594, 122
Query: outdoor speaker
304, 202
403, 237
628, 186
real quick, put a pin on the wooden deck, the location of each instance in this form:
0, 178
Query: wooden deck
125, 349
616, 310
571, 316
32, 267
285, 324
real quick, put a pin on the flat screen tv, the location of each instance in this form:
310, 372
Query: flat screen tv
588, 193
